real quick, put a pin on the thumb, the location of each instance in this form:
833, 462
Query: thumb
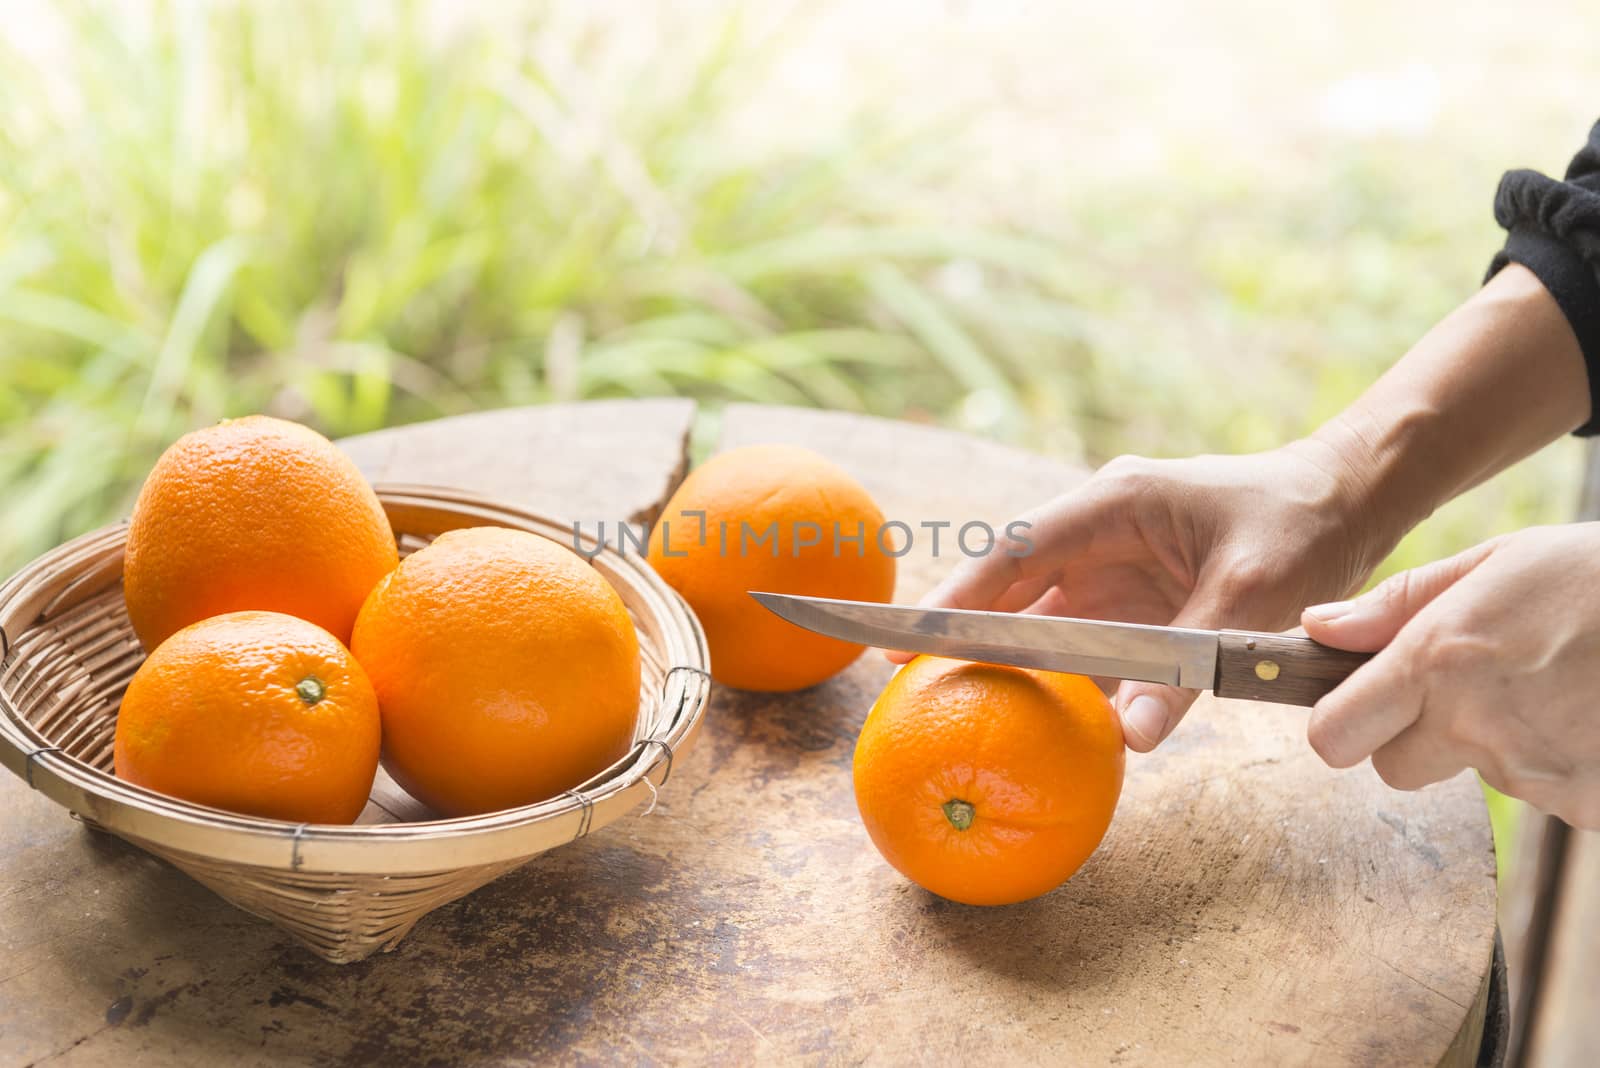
1148, 710
1370, 622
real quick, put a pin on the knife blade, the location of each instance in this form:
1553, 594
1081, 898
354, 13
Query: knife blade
1280, 668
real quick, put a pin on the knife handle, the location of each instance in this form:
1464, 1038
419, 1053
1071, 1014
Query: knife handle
1280, 668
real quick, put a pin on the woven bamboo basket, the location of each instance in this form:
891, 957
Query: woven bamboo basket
67, 652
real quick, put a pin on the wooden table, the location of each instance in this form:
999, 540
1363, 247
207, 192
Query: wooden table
1249, 906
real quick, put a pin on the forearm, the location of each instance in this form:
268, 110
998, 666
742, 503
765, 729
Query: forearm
1496, 380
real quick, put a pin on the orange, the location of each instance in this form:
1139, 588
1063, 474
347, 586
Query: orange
777, 518
507, 670
986, 784
253, 513
254, 712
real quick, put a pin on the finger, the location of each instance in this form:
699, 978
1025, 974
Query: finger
1052, 602
1030, 595
1023, 562
1418, 756
1379, 700
1581, 807
1149, 712
1031, 546
1371, 621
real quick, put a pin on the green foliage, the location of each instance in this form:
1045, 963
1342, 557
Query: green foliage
357, 222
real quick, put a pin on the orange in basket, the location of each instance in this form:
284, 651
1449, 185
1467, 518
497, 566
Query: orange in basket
253, 513
254, 712
506, 667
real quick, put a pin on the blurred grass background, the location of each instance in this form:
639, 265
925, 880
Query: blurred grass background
1155, 227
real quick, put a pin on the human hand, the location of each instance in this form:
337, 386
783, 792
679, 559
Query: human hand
1488, 660
1211, 541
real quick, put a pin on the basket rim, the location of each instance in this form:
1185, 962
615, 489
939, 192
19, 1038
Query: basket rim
380, 849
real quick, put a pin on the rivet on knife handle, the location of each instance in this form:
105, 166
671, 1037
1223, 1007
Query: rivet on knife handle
1280, 668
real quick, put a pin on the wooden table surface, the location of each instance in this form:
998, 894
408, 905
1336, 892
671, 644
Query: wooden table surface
1249, 906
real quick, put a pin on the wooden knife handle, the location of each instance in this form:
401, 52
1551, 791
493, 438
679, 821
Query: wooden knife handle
1280, 668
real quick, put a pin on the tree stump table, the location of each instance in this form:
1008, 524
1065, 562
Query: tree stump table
1249, 906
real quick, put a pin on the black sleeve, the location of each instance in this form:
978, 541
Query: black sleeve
1553, 229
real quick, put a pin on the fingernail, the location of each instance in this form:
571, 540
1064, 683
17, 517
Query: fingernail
1327, 613
1146, 717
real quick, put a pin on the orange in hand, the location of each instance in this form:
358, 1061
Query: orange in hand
254, 712
253, 513
507, 670
988, 784
777, 518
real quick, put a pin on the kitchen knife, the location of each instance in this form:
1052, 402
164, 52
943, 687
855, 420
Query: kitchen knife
1279, 668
